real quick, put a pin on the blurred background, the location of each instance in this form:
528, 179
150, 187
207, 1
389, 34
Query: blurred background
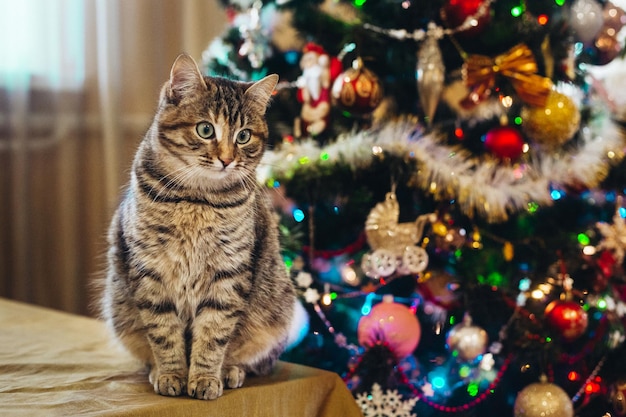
79, 80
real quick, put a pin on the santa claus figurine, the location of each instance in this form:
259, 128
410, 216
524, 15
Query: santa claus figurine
318, 72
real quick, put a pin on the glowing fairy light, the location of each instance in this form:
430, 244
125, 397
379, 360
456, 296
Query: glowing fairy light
326, 298
349, 275
298, 215
589, 250
367, 305
537, 294
542, 19
583, 239
438, 382
524, 284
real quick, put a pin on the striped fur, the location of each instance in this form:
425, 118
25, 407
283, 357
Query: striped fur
196, 286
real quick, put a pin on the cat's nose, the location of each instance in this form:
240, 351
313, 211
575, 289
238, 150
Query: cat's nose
226, 161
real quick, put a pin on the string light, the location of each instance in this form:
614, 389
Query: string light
326, 298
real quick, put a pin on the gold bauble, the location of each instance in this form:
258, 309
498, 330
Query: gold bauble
554, 124
543, 399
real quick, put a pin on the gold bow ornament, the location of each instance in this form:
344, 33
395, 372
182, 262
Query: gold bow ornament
517, 65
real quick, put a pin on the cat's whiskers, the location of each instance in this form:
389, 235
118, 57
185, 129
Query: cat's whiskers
177, 177
248, 179
268, 164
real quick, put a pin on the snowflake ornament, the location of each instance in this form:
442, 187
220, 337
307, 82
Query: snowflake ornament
389, 404
311, 295
614, 237
304, 279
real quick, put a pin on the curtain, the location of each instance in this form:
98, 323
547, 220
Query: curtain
79, 80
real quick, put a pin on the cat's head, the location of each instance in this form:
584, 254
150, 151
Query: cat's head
211, 128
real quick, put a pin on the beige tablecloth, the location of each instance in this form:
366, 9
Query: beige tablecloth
58, 364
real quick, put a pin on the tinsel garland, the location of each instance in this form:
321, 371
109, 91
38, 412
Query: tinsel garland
481, 185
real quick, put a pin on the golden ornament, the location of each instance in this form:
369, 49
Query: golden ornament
517, 65
543, 399
383, 230
554, 124
393, 244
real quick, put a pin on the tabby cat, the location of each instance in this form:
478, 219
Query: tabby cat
196, 286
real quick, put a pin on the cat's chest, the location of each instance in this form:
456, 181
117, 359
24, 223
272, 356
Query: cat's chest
189, 243
203, 232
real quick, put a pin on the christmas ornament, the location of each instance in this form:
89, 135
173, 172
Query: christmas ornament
357, 90
391, 323
614, 235
554, 123
543, 399
505, 142
389, 404
393, 243
381, 263
466, 340
614, 17
255, 45
430, 73
318, 72
517, 66
617, 395
455, 12
586, 19
414, 260
606, 47
567, 318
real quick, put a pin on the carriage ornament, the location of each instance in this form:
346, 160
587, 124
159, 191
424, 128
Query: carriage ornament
394, 244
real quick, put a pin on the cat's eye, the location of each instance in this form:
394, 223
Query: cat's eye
205, 130
244, 136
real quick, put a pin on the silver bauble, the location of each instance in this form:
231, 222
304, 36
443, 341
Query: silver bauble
467, 341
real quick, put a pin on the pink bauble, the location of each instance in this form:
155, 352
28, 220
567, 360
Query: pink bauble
391, 323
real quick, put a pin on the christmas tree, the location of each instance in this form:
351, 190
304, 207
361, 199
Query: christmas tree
450, 178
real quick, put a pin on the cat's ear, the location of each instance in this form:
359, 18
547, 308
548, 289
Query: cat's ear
261, 91
185, 78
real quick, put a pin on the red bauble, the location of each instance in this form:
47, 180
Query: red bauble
567, 318
455, 12
505, 142
357, 90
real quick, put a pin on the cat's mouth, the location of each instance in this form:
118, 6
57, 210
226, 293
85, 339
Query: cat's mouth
217, 171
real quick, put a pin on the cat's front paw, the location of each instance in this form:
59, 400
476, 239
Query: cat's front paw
234, 377
169, 384
205, 387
